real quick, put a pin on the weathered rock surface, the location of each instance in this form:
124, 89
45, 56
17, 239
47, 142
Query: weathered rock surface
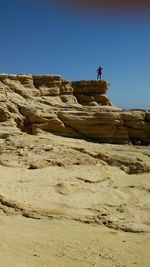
80, 202
78, 109
91, 92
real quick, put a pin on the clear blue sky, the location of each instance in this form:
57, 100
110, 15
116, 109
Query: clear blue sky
37, 39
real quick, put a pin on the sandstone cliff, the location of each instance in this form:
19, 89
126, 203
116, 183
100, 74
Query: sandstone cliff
81, 203
78, 109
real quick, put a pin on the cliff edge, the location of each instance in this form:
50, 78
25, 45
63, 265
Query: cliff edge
35, 103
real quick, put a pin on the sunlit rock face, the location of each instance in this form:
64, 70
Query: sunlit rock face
36, 103
91, 93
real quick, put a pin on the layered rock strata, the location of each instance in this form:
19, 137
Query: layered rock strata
91, 93
78, 109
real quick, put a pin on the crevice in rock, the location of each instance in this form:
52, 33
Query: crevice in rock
70, 127
10, 207
85, 180
110, 224
130, 167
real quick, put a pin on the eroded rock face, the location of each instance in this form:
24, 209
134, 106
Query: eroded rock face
78, 109
91, 93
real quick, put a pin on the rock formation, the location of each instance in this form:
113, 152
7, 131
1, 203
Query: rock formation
91, 93
77, 109
81, 203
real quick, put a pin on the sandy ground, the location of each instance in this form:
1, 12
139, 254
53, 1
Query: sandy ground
28, 242
69, 202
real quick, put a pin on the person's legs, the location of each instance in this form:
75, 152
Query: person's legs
99, 76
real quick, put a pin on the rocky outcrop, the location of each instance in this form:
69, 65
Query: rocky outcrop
77, 109
54, 86
110, 126
91, 93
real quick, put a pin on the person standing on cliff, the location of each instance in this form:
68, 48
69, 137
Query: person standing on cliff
99, 73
